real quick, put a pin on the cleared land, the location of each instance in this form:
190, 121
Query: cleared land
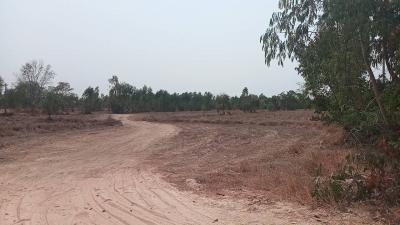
118, 175
264, 155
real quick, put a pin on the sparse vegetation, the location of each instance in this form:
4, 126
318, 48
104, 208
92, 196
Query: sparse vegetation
21, 126
271, 155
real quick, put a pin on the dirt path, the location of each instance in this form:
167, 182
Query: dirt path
97, 178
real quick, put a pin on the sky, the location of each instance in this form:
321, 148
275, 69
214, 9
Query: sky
175, 45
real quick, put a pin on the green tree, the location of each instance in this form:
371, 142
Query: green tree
164, 101
245, 100
248, 102
35, 75
90, 100
207, 101
339, 45
105, 102
254, 103
234, 102
51, 101
120, 96
67, 99
2, 94
18, 97
2, 84
222, 103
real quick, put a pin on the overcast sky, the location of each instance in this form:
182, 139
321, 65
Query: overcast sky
176, 45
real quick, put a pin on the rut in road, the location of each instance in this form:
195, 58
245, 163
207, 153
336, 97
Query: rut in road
96, 178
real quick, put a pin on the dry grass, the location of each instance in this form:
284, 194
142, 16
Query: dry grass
262, 118
272, 155
18, 126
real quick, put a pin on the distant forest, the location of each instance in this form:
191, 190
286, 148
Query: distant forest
33, 91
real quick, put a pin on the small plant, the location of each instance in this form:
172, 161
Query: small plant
347, 184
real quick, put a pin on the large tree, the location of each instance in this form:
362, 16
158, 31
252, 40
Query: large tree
340, 45
245, 100
67, 99
349, 56
37, 76
2, 83
120, 96
91, 100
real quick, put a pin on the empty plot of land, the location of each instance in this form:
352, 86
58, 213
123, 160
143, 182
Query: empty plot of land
271, 155
117, 176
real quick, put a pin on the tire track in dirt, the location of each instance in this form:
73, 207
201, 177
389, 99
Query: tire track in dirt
135, 206
99, 178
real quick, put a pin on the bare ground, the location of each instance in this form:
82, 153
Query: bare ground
268, 155
111, 176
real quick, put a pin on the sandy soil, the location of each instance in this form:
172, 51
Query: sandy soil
99, 177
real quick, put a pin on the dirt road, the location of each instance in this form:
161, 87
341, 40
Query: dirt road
99, 178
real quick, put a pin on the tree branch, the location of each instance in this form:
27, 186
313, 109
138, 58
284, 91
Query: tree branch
372, 78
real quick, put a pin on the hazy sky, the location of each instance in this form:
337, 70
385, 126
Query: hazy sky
176, 45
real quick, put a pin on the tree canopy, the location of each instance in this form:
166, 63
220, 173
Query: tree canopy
91, 100
35, 76
341, 46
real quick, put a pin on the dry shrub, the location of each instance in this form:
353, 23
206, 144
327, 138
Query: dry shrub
298, 189
329, 160
332, 135
275, 180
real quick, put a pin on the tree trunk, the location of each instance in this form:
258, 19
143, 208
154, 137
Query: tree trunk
393, 75
5, 99
372, 78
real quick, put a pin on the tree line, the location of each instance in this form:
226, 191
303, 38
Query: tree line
125, 98
33, 91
